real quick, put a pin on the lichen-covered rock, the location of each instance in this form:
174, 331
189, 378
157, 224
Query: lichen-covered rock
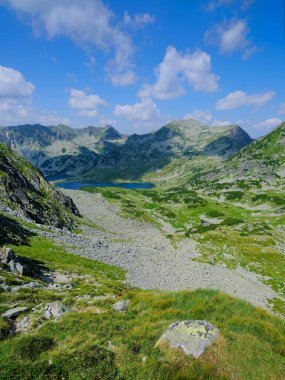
55, 310
121, 306
6, 255
13, 313
192, 337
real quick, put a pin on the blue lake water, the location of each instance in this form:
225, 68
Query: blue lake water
78, 185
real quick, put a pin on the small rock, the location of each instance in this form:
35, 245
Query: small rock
111, 347
13, 313
121, 306
6, 255
55, 310
12, 266
19, 268
192, 337
29, 285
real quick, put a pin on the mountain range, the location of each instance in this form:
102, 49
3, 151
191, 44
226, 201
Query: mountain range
103, 153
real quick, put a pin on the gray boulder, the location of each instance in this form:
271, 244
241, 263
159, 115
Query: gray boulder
192, 337
19, 268
13, 313
6, 255
55, 310
121, 306
12, 266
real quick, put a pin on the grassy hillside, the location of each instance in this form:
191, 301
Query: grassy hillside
95, 342
259, 165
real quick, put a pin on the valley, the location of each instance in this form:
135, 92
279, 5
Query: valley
142, 190
205, 242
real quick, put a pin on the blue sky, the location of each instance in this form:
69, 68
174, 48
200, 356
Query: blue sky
137, 65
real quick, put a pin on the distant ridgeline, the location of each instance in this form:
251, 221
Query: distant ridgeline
104, 154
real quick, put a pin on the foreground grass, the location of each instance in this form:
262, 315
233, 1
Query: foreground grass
251, 344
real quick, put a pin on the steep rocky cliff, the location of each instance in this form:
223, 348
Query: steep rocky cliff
23, 188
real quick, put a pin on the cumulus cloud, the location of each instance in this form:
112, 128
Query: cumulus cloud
86, 105
16, 101
177, 69
139, 20
104, 121
230, 37
14, 84
239, 99
20, 111
144, 111
88, 23
282, 109
268, 124
206, 118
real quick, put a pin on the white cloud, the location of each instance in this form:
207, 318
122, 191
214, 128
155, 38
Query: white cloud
86, 105
282, 109
88, 23
239, 99
16, 101
104, 121
123, 78
20, 111
13, 84
206, 118
231, 37
268, 124
177, 69
144, 111
139, 20
244, 4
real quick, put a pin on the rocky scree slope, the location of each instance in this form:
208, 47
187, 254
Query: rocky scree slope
23, 188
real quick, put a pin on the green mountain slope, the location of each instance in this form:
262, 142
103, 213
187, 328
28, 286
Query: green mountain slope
188, 139
23, 188
258, 165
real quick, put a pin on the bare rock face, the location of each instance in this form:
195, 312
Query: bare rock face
24, 189
192, 337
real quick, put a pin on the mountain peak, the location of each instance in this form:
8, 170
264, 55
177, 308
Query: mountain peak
112, 133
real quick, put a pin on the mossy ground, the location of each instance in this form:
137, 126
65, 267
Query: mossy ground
251, 344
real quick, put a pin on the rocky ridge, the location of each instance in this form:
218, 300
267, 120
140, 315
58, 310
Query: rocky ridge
105, 154
24, 189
